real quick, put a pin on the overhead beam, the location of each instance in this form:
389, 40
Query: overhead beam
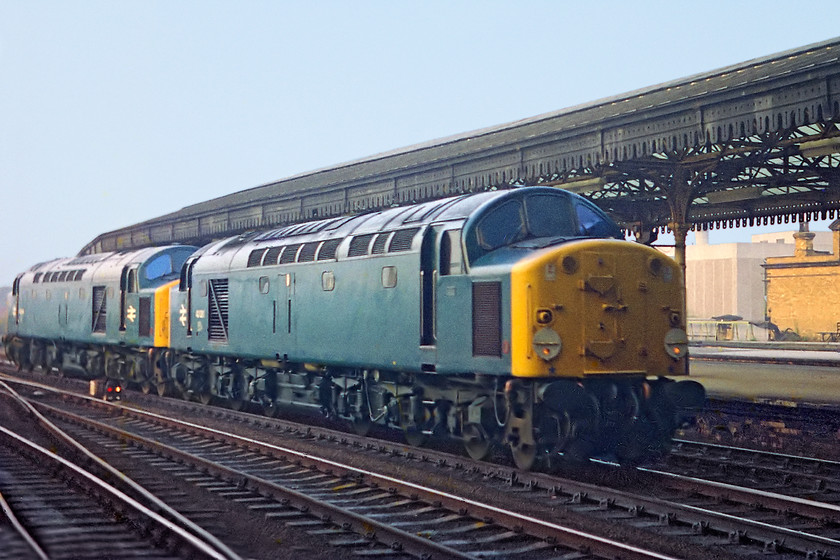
693, 117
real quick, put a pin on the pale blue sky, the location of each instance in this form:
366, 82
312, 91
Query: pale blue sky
113, 112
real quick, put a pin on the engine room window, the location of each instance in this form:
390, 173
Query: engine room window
264, 284
328, 281
389, 276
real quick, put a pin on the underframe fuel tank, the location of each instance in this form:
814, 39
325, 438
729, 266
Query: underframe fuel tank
595, 307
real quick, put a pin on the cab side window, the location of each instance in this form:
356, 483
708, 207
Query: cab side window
451, 259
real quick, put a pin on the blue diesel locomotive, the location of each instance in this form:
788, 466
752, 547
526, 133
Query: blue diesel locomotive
517, 317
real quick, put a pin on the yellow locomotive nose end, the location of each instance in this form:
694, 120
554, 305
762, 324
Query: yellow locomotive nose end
615, 306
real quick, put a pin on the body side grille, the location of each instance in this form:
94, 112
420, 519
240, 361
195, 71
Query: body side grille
487, 318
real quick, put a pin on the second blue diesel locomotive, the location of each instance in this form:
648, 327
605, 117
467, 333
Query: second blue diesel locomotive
517, 317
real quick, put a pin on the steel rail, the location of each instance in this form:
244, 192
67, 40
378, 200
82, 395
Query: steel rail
780, 502
21, 530
694, 516
552, 532
759, 452
364, 525
192, 533
88, 479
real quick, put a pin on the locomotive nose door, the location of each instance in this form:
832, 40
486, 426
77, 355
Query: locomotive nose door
601, 295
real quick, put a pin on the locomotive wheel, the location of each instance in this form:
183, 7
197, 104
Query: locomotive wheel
524, 455
166, 389
180, 379
113, 369
238, 391
199, 386
268, 409
53, 359
266, 403
203, 397
96, 365
361, 425
412, 420
647, 441
139, 373
28, 360
476, 442
15, 354
413, 432
414, 436
38, 357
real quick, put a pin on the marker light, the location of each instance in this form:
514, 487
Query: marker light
676, 343
547, 344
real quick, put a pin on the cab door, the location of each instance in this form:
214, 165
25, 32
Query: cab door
129, 304
284, 314
16, 299
440, 257
428, 288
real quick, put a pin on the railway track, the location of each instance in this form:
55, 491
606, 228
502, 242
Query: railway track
802, 477
57, 509
347, 506
725, 519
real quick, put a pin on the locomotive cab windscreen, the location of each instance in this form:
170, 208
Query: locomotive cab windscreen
163, 268
536, 218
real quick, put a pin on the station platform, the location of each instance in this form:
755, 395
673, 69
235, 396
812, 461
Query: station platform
803, 353
788, 373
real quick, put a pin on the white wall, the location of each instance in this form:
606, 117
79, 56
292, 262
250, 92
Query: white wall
728, 278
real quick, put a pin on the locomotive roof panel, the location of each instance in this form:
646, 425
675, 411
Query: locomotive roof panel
395, 230
492, 220
452, 208
108, 266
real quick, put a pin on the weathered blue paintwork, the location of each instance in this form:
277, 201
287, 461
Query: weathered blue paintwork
54, 300
284, 312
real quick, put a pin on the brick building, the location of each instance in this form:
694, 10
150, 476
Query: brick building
802, 292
